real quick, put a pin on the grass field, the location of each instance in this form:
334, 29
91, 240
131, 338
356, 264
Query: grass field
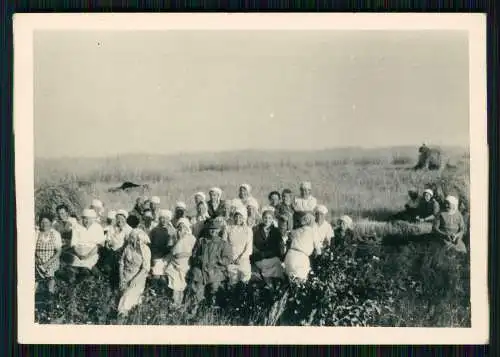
414, 284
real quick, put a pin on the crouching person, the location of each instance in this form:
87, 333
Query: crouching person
177, 262
211, 256
303, 244
134, 267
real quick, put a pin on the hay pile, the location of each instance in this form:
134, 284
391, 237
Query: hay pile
48, 197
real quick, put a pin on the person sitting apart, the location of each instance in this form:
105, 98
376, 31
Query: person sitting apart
200, 219
410, 212
240, 238
177, 261
211, 256
286, 207
155, 208
253, 217
163, 238
86, 240
216, 206
147, 223
450, 226
267, 248
305, 203
303, 244
47, 252
429, 208
324, 229
134, 267
344, 233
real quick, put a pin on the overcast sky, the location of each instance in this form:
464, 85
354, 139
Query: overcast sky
108, 93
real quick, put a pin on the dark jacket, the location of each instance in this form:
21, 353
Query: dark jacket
428, 208
266, 247
219, 212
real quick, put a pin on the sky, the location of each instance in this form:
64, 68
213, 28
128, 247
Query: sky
110, 93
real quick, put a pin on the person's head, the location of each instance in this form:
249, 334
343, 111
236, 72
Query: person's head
244, 191
183, 227
286, 196
88, 217
199, 197
345, 223
147, 215
155, 203
305, 189
133, 221
413, 194
137, 237
180, 210
451, 204
111, 217
62, 212
306, 220
201, 208
215, 194
320, 213
45, 222
97, 206
214, 228
428, 194
274, 198
121, 218
267, 216
139, 202
240, 216
164, 217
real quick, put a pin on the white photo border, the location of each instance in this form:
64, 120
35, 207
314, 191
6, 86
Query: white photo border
29, 332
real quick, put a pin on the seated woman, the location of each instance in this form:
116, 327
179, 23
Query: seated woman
450, 226
162, 238
47, 252
85, 241
303, 244
177, 261
134, 267
240, 238
267, 248
324, 229
411, 210
429, 208
344, 233
211, 256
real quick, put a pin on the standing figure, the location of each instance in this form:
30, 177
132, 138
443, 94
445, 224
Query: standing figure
47, 253
162, 238
199, 221
147, 223
324, 229
155, 208
253, 217
240, 238
305, 203
64, 224
216, 206
286, 207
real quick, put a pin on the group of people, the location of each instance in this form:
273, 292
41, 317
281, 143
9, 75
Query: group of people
225, 241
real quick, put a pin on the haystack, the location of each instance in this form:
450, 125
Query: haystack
48, 197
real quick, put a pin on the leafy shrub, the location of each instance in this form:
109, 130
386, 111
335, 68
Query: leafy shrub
48, 197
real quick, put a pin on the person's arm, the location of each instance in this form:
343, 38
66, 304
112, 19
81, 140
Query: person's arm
461, 229
437, 228
226, 255
57, 250
435, 212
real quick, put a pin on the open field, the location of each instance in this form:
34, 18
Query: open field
415, 284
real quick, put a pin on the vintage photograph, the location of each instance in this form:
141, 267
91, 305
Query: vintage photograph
252, 177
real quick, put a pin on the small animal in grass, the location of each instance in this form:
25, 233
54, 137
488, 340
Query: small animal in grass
128, 186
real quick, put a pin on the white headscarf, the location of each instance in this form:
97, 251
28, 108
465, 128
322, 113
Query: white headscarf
247, 187
202, 195
429, 191
306, 185
216, 190
453, 201
321, 209
348, 221
155, 200
165, 213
